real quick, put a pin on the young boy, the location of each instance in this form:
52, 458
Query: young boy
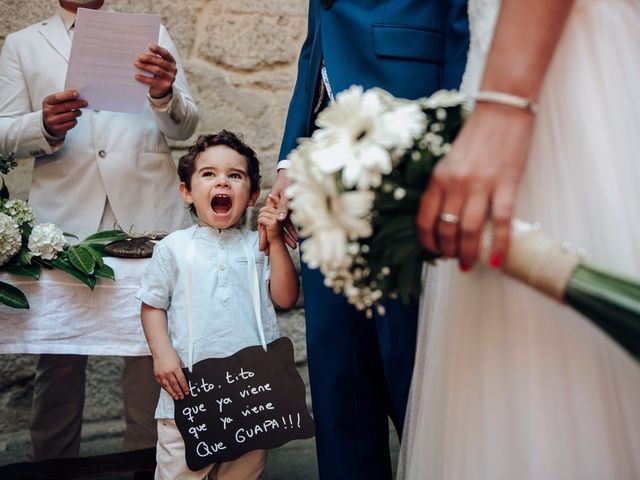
220, 178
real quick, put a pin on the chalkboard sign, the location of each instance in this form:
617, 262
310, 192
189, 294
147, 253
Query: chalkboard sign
251, 400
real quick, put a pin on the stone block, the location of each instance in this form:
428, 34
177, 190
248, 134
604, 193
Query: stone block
250, 42
241, 110
18, 14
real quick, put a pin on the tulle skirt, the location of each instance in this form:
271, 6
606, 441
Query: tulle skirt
508, 384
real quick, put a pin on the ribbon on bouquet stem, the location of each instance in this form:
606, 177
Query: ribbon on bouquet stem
535, 258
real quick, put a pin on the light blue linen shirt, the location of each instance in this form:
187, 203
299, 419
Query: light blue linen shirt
223, 318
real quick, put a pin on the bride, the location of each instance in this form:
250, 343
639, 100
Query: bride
508, 384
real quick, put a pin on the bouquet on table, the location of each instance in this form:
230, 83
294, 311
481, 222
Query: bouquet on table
356, 186
26, 247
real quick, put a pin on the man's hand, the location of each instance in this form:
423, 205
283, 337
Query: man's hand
60, 110
162, 67
280, 184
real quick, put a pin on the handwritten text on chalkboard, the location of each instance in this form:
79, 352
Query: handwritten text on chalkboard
251, 400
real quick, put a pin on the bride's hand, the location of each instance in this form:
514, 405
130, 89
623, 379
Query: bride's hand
476, 181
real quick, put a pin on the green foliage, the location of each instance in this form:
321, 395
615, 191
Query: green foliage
13, 297
7, 162
81, 259
102, 238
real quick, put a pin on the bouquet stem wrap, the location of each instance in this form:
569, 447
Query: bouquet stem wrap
536, 259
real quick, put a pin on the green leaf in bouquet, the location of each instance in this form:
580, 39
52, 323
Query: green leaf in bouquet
393, 232
64, 265
382, 246
32, 271
97, 255
105, 237
409, 279
98, 248
611, 301
105, 271
67, 234
12, 297
403, 253
418, 172
387, 225
82, 259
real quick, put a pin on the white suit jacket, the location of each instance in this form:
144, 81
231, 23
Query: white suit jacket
122, 157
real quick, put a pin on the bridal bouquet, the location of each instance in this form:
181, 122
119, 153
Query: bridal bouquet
356, 186
27, 247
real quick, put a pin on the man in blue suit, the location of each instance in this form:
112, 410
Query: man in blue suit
360, 369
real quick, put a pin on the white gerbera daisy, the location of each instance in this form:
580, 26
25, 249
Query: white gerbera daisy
327, 218
357, 133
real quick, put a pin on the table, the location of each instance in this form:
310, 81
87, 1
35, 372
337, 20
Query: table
68, 317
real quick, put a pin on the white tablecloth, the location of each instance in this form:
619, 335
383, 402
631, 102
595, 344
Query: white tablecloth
67, 317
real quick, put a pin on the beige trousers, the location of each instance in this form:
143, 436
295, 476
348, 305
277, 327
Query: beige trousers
58, 402
171, 465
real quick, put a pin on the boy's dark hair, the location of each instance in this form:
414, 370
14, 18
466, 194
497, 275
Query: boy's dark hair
187, 162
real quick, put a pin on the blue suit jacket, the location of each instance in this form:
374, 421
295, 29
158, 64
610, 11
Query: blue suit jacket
410, 48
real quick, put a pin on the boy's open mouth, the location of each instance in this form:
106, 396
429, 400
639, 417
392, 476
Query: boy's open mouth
221, 204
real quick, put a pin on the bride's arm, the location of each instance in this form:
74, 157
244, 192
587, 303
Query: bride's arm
479, 177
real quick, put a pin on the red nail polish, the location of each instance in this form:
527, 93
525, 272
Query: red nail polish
495, 261
464, 267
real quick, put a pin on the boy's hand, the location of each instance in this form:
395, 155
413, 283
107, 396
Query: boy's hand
167, 369
280, 184
268, 221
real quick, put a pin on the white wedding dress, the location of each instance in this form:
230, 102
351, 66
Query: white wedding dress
509, 385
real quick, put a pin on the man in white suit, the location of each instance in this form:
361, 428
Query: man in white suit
93, 169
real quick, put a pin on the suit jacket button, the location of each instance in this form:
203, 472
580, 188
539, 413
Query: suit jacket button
326, 4
102, 154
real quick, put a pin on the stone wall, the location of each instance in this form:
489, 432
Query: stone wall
240, 59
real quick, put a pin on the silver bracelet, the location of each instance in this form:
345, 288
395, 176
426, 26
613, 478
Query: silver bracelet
507, 99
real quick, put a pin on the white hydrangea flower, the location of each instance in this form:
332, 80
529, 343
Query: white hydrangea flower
19, 211
328, 219
358, 132
46, 241
10, 238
